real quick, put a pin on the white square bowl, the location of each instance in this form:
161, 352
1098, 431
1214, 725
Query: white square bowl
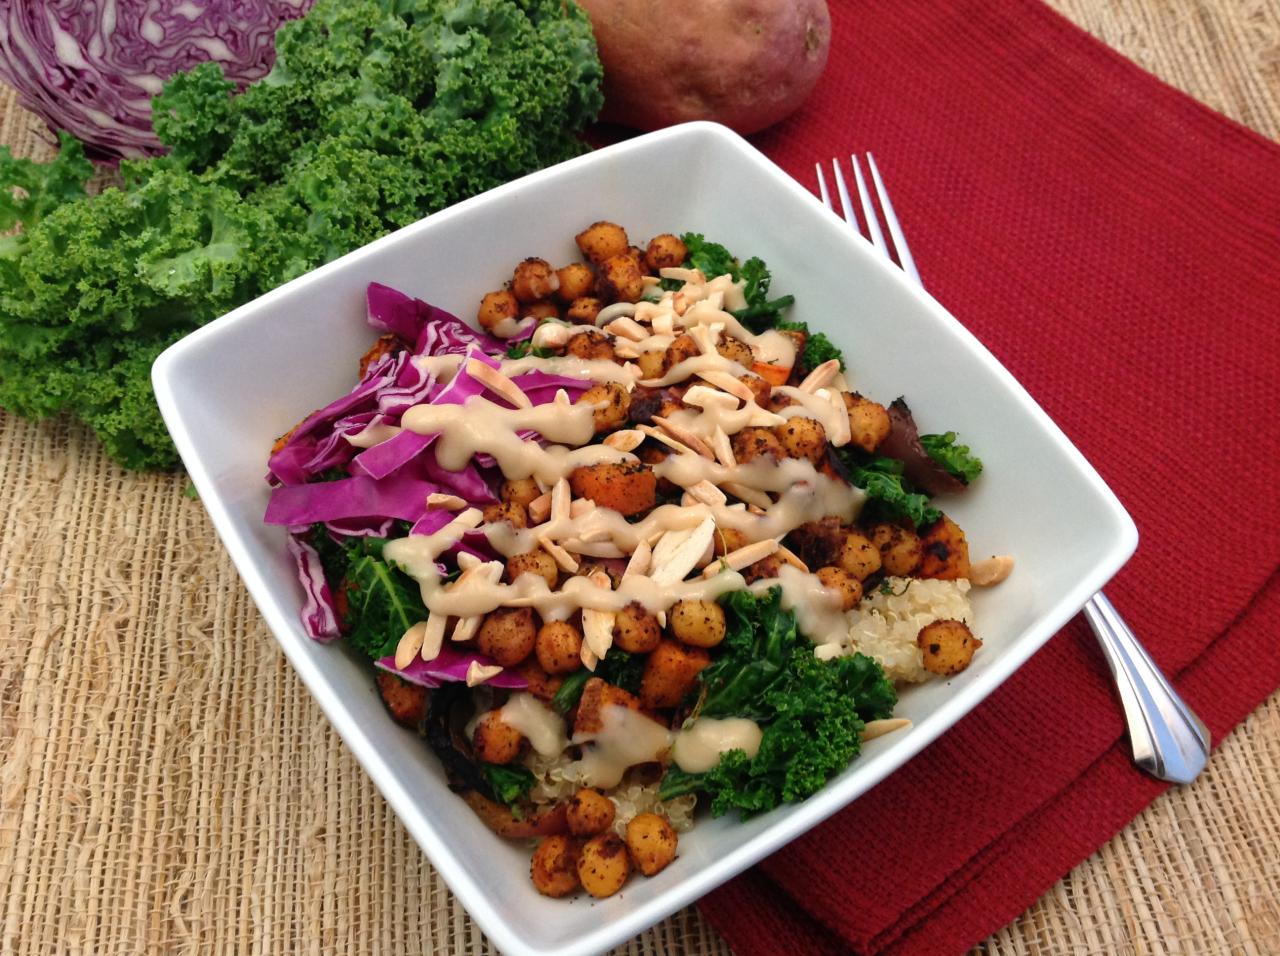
230, 388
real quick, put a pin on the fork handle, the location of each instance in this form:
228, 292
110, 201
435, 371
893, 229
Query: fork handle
1169, 741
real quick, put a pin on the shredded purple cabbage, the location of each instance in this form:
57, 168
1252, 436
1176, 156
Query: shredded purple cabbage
318, 614
450, 665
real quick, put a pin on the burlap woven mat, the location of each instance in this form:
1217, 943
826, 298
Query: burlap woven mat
168, 785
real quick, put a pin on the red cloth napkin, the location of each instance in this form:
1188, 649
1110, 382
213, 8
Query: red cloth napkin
1117, 246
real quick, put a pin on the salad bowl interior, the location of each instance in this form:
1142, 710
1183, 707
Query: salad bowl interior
230, 389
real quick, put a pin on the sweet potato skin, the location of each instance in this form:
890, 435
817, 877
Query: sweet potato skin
629, 488
944, 551
669, 674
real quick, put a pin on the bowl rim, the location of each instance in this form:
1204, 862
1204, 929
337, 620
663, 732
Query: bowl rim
810, 812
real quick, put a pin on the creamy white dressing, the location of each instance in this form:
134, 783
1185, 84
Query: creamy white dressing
375, 433
626, 738
542, 726
698, 747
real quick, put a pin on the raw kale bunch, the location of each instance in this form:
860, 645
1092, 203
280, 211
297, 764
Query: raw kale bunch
376, 113
812, 712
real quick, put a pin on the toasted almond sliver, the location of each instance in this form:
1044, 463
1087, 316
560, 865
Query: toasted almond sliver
660, 435
840, 434
683, 435
478, 673
679, 552
753, 498
639, 561
663, 323
707, 493
705, 397
580, 507
597, 626
878, 728
562, 557
821, 376
614, 311
723, 447
498, 383
683, 275
540, 508
627, 328
562, 397
746, 555
465, 521
624, 349
448, 502
789, 556
702, 336
561, 500
726, 382
588, 658
433, 639
410, 644
627, 439
466, 628
990, 570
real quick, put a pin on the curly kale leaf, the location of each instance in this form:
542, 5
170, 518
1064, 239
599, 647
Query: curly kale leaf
890, 496
510, 783
760, 312
376, 113
956, 458
382, 603
759, 636
817, 347
812, 713
710, 257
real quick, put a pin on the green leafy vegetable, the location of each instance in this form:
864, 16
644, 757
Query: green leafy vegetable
817, 347
383, 602
622, 670
760, 312
889, 494
812, 712
526, 348
510, 783
376, 113
954, 457
570, 692
711, 258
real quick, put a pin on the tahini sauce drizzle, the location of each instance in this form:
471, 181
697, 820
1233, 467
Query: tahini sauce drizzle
698, 747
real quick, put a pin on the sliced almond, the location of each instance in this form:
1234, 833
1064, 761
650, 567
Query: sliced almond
663, 323
723, 380
627, 439
678, 552
705, 397
683, 435
723, 447
753, 498
588, 658
498, 383
707, 493
433, 638
821, 376
839, 433
746, 555
580, 507
639, 561
466, 628
990, 570
615, 310
448, 502
683, 275
478, 673
625, 349
410, 644
540, 508
878, 728
562, 397
597, 626
662, 436
561, 500
627, 328
702, 336
561, 556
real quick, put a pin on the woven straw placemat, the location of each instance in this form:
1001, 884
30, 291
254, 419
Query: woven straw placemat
168, 785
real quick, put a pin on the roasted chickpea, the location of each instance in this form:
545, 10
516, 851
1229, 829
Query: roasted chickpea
944, 552
778, 401
665, 252
536, 562
728, 539
803, 438
684, 347
583, 310
670, 672
735, 350
534, 279
519, 491
559, 647
651, 841
698, 623
946, 647
507, 635
542, 685
614, 402
554, 869
603, 864
858, 556
494, 740
590, 344
406, 702
590, 812
900, 549
507, 511
603, 239
842, 583
635, 630
752, 443
651, 364
868, 421
619, 279
576, 281
495, 307
545, 309
761, 389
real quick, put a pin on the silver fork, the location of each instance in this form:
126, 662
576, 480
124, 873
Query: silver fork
1168, 739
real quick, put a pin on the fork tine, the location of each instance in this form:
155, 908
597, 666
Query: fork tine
845, 202
891, 219
822, 187
869, 210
